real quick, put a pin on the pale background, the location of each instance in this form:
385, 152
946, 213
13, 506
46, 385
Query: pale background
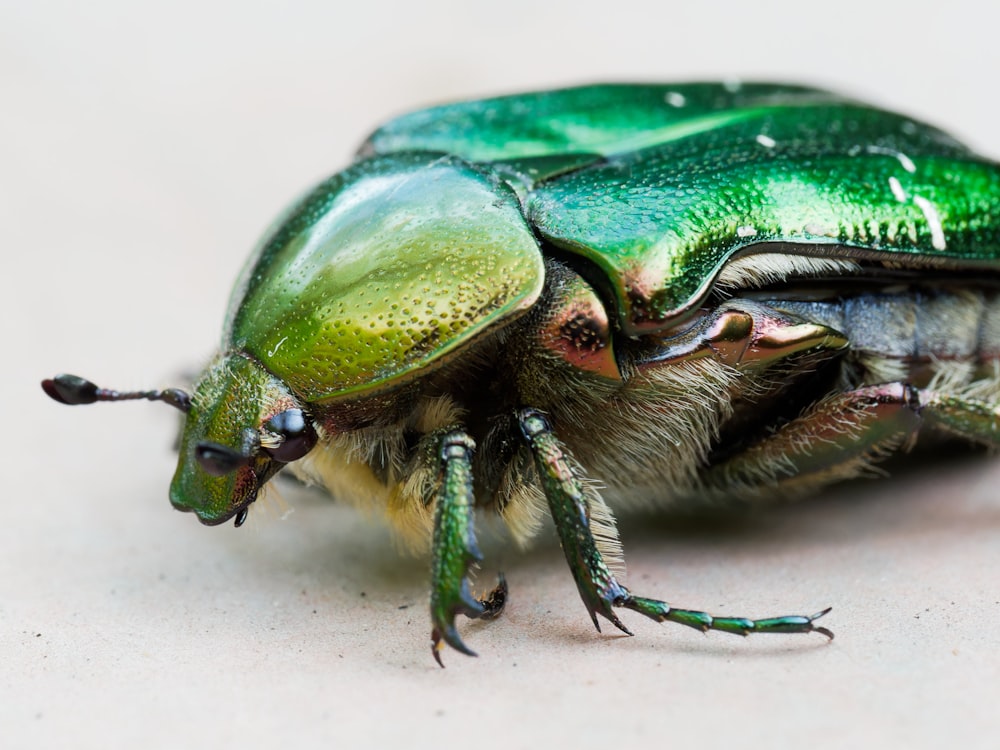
143, 147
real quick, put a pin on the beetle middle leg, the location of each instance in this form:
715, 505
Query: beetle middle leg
598, 586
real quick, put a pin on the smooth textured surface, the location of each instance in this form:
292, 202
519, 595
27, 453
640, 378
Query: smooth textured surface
144, 153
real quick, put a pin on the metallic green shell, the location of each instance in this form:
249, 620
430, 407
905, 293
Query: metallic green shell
381, 271
603, 119
432, 238
658, 186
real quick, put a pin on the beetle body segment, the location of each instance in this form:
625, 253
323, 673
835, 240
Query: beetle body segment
383, 270
690, 292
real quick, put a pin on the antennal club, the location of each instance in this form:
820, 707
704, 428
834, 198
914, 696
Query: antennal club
74, 390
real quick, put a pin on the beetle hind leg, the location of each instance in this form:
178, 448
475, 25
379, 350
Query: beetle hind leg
844, 435
962, 416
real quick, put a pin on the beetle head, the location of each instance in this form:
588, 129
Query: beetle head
243, 426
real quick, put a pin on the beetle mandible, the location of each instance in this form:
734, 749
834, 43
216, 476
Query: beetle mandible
683, 292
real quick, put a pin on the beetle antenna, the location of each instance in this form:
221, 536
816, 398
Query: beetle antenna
73, 390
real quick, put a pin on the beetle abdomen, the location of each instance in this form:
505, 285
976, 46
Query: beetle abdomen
938, 337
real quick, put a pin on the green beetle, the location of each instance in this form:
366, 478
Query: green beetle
682, 292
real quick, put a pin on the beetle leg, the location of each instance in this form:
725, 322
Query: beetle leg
570, 510
455, 549
838, 438
598, 587
494, 602
663, 612
969, 418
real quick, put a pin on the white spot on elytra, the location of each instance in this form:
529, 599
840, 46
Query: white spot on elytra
277, 346
766, 141
746, 231
675, 99
897, 190
905, 161
732, 85
933, 220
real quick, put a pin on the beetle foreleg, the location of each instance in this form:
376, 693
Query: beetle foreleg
455, 549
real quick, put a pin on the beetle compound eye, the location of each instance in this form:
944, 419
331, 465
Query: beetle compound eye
297, 432
218, 460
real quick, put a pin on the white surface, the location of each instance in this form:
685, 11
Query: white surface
141, 153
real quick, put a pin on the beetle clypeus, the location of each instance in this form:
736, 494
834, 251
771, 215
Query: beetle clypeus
681, 291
